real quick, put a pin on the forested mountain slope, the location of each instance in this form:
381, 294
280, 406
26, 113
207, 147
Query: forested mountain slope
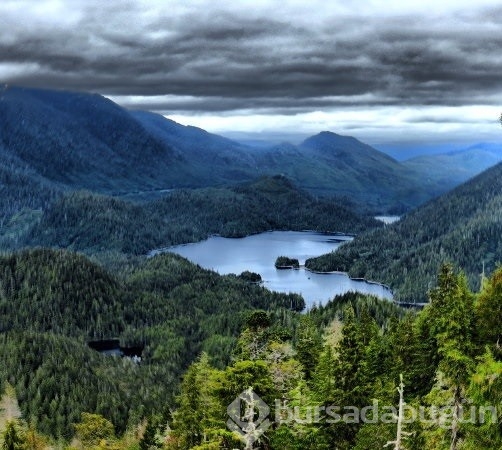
463, 227
69, 140
348, 355
21, 187
331, 164
80, 141
453, 168
209, 159
53, 302
92, 223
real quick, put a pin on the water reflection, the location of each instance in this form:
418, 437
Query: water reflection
258, 253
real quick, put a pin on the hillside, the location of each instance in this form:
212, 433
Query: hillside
80, 141
463, 227
21, 187
53, 302
93, 223
209, 159
222, 334
69, 141
329, 164
453, 168
372, 170
326, 164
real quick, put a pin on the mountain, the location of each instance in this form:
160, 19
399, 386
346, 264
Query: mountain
325, 164
80, 141
95, 223
453, 168
463, 226
211, 159
21, 187
331, 164
66, 141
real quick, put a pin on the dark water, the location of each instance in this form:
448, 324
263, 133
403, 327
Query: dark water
258, 253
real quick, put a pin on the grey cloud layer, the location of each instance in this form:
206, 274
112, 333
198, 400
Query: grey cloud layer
226, 61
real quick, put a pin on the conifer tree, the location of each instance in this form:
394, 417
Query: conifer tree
198, 410
323, 379
489, 312
451, 319
149, 439
308, 345
352, 385
12, 437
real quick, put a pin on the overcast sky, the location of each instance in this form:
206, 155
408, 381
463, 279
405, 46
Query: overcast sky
383, 71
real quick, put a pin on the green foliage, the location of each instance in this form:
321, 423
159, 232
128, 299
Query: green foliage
258, 320
381, 311
175, 310
57, 378
283, 262
489, 311
251, 277
149, 440
92, 223
462, 227
44, 290
308, 345
197, 405
12, 438
53, 302
451, 320
411, 350
93, 429
324, 376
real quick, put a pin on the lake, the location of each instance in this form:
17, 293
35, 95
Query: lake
257, 253
388, 220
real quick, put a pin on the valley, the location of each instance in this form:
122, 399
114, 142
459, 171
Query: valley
126, 229
65, 141
250, 226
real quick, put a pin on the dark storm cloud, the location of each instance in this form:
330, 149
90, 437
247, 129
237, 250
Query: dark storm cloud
217, 61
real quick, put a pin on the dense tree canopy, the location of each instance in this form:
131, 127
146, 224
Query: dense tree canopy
462, 227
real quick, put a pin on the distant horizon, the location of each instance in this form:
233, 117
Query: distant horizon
399, 149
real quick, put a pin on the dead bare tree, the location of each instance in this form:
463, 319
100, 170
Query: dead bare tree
400, 435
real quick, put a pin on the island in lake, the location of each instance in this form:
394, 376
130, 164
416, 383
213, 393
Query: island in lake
283, 262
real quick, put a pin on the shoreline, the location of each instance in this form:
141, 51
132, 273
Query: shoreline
160, 250
339, 272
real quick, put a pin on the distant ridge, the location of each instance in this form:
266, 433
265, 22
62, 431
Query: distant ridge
453, 168
94, 223
58, 141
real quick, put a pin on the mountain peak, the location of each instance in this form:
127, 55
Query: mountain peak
328, 139
329, 143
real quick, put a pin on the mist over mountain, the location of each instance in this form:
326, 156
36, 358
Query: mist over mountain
453, 168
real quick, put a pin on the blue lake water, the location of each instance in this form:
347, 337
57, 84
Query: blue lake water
258, 253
